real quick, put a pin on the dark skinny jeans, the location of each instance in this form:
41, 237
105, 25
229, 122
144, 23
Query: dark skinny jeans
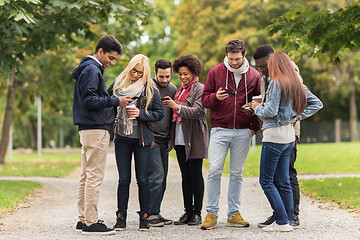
124, 148
192, 181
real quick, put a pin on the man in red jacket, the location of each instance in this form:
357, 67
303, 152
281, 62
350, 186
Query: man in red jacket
228, 87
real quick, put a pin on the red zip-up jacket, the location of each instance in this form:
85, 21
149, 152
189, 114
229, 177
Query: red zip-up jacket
228, 113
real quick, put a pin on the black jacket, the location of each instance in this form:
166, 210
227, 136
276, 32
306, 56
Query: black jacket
154, 114
92, 105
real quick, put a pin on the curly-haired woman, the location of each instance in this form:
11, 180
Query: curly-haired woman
189, 135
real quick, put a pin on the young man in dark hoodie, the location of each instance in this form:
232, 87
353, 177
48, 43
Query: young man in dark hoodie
93, 112
228, 87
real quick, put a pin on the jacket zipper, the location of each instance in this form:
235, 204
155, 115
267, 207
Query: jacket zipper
142, 132
235, 109
235, 87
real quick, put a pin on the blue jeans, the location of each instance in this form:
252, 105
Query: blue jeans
293, 180
221, 140
123, 152
274, 164
158, 169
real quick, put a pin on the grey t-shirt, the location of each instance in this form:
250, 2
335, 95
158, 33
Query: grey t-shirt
162, 128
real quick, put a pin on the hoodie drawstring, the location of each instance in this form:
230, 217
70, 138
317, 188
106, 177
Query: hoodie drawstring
246, 92
227, 72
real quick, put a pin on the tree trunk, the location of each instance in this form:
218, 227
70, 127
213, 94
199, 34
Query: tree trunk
7, 119
353, 108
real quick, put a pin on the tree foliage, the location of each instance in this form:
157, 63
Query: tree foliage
33, 32
320, 33
323, 29
328, 34
29, 27
206, 25
159, 39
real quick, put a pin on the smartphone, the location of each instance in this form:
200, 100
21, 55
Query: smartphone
135, 97
164, 98
231, 94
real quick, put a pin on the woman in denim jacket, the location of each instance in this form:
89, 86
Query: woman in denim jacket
287, 100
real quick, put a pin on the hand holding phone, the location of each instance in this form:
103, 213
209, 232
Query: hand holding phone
125, 100
167, 101
165, 98
231, 94
220, 94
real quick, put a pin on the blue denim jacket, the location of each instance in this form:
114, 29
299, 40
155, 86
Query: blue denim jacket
277, 112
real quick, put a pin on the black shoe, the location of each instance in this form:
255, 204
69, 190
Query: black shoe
268, 221
296, 223
98, 228
156, 222
79, 226
165, 221
195, 220
120, 221
144, 223
184, 219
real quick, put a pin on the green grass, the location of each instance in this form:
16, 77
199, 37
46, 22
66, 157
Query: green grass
48, 165
311, 159
14, 192
316, 159
343, 191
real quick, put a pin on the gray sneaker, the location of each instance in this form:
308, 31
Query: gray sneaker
165, 221
156, 222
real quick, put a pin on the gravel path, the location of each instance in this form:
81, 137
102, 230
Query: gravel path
52, 213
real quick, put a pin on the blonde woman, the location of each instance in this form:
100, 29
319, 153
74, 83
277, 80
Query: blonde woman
133, 135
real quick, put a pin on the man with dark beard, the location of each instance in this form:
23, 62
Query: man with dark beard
161, 146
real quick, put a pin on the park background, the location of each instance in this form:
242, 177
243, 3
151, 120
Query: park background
43, 41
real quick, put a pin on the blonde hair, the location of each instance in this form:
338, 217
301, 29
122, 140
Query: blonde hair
123, 80
281, 70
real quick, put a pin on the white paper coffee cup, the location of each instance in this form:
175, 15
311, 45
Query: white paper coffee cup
257, 99
130, 106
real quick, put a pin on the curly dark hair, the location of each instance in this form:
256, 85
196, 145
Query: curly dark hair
191, 62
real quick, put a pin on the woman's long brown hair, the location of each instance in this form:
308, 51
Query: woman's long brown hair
282, 70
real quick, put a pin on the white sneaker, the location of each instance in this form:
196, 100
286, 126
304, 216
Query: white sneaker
274, 227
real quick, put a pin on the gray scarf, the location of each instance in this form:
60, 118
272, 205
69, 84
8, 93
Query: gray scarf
237, 73
133, 90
